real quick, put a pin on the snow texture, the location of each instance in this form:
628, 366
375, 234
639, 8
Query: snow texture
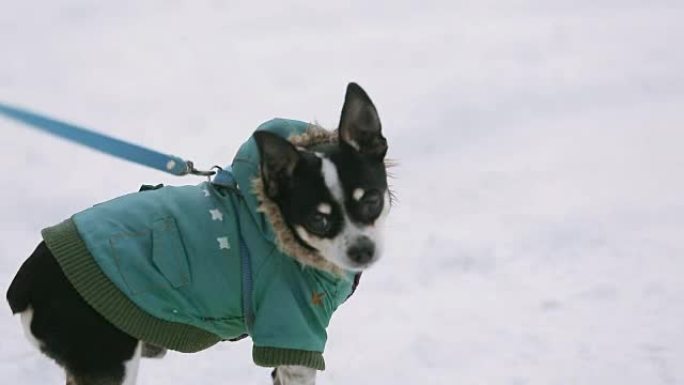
538, 237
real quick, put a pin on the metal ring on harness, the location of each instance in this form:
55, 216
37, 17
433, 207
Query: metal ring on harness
192, 170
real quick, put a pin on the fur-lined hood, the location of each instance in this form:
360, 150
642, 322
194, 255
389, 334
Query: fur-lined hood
265, 212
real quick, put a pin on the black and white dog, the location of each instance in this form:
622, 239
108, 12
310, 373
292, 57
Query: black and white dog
349, 173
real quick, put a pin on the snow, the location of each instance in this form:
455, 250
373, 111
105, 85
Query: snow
538, 234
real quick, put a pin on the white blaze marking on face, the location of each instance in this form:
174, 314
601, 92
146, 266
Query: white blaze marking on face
324, 208
26, 318
358, 194
332, 179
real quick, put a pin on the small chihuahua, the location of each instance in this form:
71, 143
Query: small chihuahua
269, 250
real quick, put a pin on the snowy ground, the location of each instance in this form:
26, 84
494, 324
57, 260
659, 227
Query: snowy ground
539, 237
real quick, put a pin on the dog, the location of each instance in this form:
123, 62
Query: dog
298, 218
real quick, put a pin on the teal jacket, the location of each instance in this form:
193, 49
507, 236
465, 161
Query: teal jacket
175, 254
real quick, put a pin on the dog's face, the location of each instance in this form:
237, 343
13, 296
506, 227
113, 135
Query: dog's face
333, 197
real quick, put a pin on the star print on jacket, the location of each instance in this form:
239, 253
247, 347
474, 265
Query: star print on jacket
317, 298
223, 243
216, 215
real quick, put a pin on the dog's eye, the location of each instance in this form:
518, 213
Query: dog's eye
319, 223
371, 204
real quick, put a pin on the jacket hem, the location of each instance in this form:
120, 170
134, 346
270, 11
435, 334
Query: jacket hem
272, 357
84, 274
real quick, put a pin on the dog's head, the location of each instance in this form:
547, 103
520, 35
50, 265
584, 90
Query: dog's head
334, 196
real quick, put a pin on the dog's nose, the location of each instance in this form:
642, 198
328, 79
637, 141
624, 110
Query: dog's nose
362, 250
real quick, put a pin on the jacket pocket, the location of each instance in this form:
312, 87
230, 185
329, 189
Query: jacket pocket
152, 260
168, 252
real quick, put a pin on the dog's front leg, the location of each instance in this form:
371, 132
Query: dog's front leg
293, 375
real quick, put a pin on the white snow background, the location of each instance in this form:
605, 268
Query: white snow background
538, 238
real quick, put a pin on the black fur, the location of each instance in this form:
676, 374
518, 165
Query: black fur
367, 172
360, 124
69, 330
279, 161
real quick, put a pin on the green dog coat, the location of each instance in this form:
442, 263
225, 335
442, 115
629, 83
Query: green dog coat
166, 267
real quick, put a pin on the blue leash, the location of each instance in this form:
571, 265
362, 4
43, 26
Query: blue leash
141, 155
103, 143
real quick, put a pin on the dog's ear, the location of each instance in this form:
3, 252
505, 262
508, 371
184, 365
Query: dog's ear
360, 125
278, 160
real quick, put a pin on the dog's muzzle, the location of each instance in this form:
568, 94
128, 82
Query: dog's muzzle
362, 251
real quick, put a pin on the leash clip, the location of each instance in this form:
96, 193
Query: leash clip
190, 167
